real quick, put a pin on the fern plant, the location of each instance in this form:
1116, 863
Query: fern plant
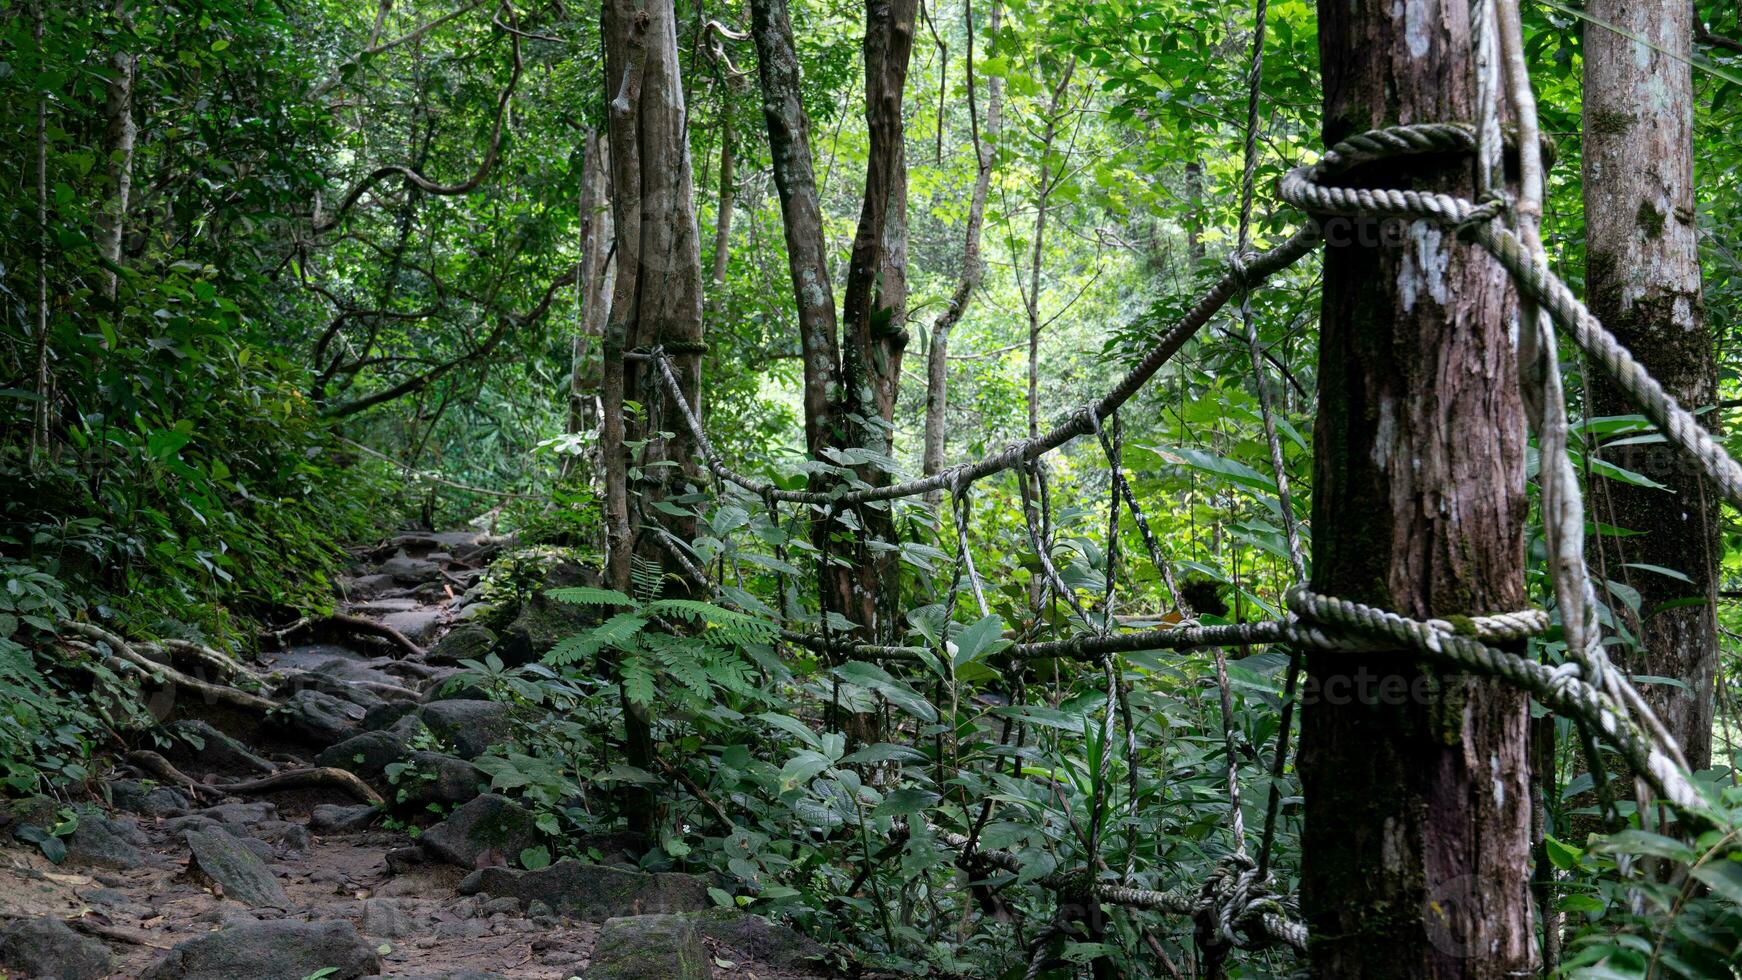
698, 646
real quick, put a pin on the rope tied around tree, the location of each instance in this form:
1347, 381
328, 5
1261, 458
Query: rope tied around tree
1463, 644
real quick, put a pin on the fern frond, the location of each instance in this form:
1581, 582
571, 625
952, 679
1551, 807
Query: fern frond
619, 631
736, 628
589, 596
638, 684
572, 649
648, 578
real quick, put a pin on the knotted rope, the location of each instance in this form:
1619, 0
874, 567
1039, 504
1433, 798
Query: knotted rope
1330, 623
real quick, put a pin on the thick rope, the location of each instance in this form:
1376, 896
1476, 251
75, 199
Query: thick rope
1259, 268
1330, 623
1535, 281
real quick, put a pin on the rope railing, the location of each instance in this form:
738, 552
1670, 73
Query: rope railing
1258, 268
1236, 904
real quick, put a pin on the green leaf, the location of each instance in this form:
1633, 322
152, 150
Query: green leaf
906, 801
1633, 841
793, 727
535, 858
1722, 876
877, 679
980, 640
1563, 856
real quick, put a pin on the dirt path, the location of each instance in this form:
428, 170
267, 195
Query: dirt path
202, 882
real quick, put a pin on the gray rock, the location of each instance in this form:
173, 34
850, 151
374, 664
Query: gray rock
593, 892
381, 607
541, 624
101, 842
279, 950
650, 947
472, 727
48, 948
469, 641
317, 717
488, 823
213, 750
147, 800
384, 715
227, 863
418, 625
383, 918
451, 781
402, 859
759, 939
367, 754
332, 818
449, 975
367, 586
411, 571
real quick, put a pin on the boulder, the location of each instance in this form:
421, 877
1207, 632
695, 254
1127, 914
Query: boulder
367, 586
147, 800
275, 950
650, 947
384, 919
472, 727
332, 818
419, 625
451, 781
317, 717
468, 641
225, 863
384, 715
213, 750
48, 948
411, 571
102, 842
488, 823
593, 892
755, 937
366, 754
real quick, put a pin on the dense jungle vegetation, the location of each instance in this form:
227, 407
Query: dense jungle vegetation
285, 279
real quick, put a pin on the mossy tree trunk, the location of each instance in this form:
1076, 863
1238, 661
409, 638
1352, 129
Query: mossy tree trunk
1416, 838
1642, 279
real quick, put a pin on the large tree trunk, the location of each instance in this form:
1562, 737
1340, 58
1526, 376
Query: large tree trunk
1416, 839
937, 370
657, 302
1642, 278
855, 374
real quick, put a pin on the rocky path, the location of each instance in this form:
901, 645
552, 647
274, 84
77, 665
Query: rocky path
253, 869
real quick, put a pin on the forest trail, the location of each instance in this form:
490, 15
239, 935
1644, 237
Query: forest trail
204, 881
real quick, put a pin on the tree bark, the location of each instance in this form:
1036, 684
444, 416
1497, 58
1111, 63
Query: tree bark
44, 393
851, 379
795, 183
1416, 837
728, 190
596, 282
119, 140
937, 371
656, 302
1642, 279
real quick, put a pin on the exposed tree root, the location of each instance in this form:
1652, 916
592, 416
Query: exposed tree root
349, 625
215, 693
304, 778
152, 764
